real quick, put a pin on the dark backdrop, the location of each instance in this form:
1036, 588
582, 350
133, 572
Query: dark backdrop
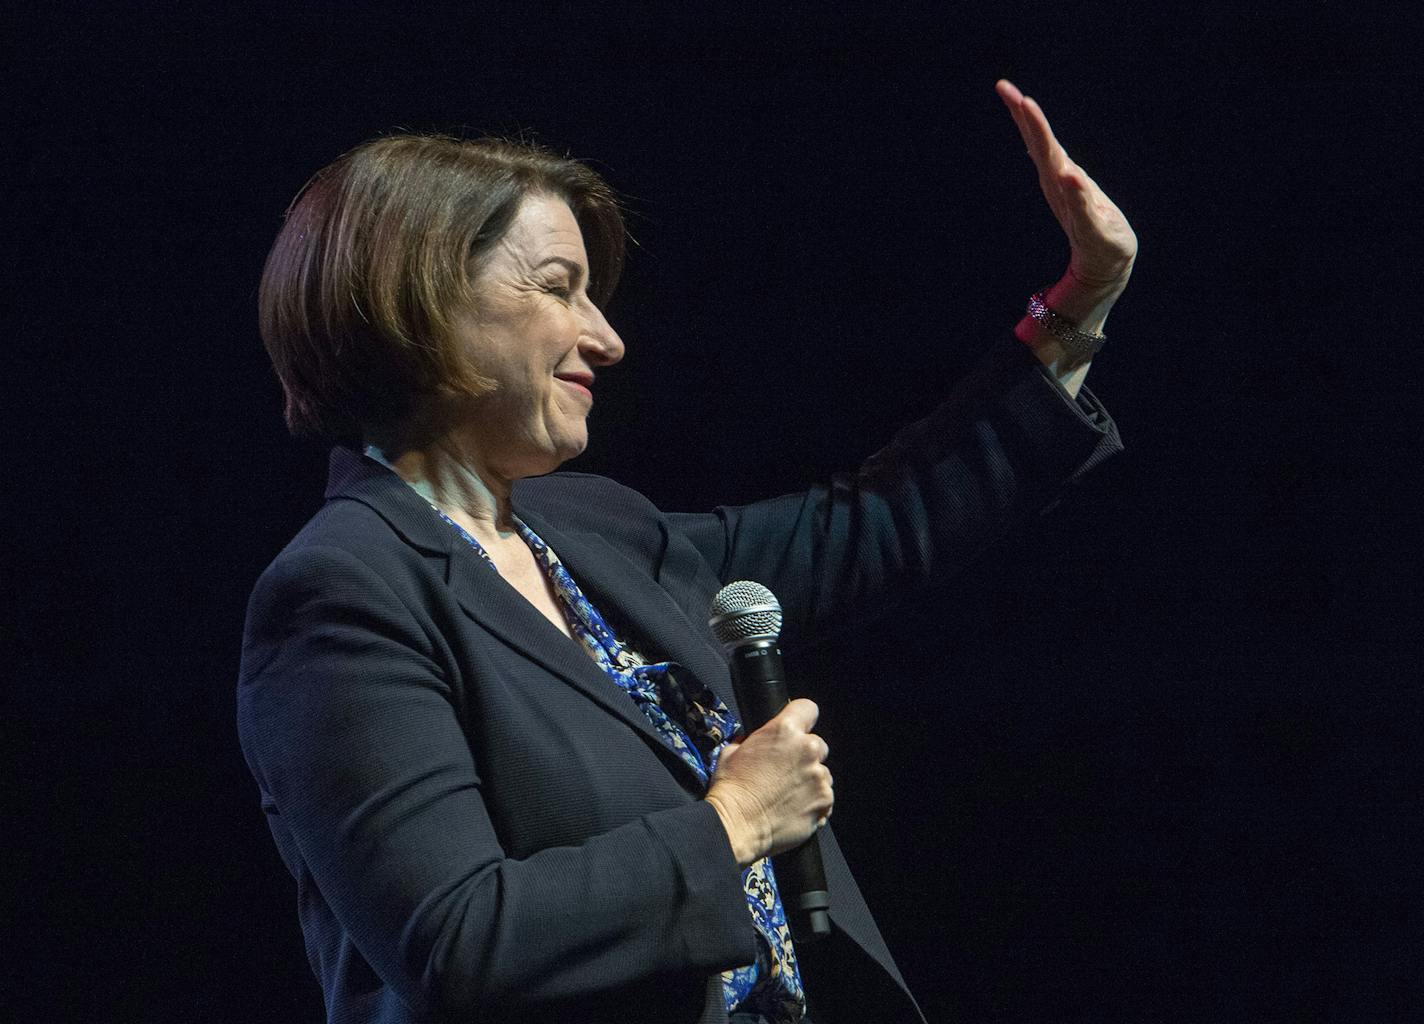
1149, 761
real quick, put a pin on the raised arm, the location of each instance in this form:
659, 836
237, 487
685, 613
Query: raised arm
1005, 445
1015, 431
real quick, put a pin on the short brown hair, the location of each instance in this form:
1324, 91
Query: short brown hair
375, 260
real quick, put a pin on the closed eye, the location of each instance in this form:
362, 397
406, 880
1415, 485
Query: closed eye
575, 271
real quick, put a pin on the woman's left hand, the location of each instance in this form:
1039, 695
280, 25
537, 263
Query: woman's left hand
1103, 244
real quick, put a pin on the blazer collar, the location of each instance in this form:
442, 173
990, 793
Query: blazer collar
351, 475
606, 575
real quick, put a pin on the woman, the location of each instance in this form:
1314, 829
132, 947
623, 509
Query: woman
492, 732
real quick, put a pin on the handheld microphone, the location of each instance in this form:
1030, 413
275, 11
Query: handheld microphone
746, 618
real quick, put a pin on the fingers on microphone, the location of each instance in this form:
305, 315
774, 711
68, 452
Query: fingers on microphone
826, 790
828, 804
812, 750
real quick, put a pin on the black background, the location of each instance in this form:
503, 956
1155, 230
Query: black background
1152, 760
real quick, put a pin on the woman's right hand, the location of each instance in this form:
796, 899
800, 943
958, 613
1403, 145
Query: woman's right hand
773, 789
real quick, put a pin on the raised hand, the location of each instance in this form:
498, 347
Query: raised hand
1102, 242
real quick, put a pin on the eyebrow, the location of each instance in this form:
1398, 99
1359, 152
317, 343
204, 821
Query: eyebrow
574, 268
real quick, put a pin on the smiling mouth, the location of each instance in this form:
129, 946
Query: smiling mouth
579, 382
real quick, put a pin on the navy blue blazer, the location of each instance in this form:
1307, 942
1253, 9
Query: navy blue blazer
480, 824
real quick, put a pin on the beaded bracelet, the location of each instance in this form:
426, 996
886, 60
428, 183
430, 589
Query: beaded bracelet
1078, 343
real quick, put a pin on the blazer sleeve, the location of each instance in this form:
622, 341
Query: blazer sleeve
1005, 445
350, 727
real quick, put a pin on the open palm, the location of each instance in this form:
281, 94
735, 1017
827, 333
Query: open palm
1103, 244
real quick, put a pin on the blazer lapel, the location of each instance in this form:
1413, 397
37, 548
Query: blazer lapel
611, 579
488, 599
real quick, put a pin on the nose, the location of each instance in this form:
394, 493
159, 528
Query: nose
600, 343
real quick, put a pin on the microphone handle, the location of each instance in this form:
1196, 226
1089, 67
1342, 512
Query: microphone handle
760, 682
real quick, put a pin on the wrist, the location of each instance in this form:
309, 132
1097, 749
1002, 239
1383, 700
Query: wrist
1085, 301
1064, 324
747, 848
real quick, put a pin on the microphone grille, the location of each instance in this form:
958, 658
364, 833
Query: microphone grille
743, 611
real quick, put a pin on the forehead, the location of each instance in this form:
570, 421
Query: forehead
543, 226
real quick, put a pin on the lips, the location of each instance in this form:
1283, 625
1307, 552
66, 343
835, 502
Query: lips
580, 382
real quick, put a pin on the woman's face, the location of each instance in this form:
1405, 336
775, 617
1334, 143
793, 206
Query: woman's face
536, 333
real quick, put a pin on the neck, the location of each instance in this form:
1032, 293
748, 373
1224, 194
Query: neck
459, 482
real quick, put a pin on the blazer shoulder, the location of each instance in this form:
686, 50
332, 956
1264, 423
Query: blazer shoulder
346, 540
346, 525
588, 504
559, 492
586, 501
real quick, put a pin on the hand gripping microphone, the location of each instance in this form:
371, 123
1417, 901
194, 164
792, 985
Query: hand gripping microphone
746, 618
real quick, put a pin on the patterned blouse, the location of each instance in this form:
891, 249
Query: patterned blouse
695, 724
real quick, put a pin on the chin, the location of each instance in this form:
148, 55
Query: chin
571, 445
570, 452
562, 452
